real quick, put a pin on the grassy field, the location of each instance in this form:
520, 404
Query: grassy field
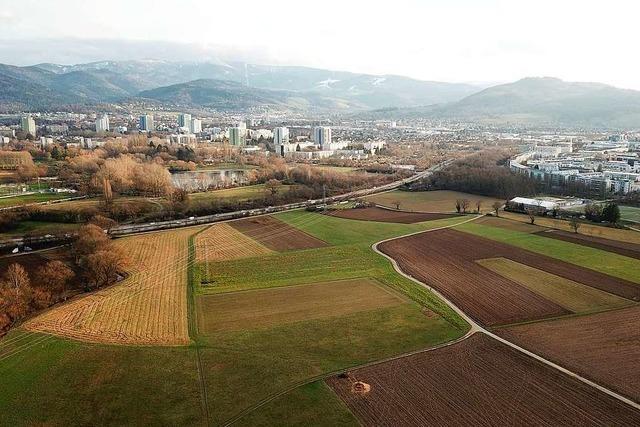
312, 403
6, 202
52, 381
585, 228
40, 228
431, 201
267, 307
630, 213
571, 295
221, 242
234, 194
595, 259
277, 339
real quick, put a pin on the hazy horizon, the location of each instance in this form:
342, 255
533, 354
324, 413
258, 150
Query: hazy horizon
462, 41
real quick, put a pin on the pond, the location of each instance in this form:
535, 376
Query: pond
206, 179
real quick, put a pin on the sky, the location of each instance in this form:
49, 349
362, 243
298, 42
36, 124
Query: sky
442, 40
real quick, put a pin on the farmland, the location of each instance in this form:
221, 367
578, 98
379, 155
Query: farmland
587, 229
600, 346
6, 202
476, 381
275, 234
267, 307
148, 307
386, 215
571, 295
220, 242
622, 248
630, 213
431, 201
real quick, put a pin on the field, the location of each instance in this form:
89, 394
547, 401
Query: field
148, 308
221, 242
595, 260
6, 202
40, 228
268, 307
275, 234
509, 224
445, 259
431, 201
623, 248
87, 206
53, 381
571, 295
586, 229
248, 192
604, 347
478, 381
630, 213
386, 215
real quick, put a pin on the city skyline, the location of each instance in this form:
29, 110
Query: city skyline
461, 41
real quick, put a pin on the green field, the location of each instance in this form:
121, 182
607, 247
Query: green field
234, 194
54, 381
584, 256
268, 358
51, 381
6, 202
630, 213
39, 228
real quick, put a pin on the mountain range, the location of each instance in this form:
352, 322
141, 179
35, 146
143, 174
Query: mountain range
50, 85
238, 86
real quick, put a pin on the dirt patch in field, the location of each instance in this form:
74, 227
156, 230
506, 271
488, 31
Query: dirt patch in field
221, 242
478, 381
387, 215
445, 259
275, 234
269, 307
604, 347
148, 308
623, 248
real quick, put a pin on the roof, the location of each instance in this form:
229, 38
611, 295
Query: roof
535, 202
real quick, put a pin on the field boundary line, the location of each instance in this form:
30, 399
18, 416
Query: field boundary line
475, 326
192, 321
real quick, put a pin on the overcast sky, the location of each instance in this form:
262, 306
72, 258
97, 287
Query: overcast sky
445, 40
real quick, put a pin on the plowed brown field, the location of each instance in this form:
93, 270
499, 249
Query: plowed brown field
604, 347
477, 382
275, 234
221, 242
147, 308
445, 259
631, 250
387, 215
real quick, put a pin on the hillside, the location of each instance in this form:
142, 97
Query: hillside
227, 95
111, 81
549, 101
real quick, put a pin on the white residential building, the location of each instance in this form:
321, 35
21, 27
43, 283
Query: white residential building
28, 125
102, 124
237, 136
184, 120
195, 126
146, 123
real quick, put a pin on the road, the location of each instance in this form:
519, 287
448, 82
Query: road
124, 230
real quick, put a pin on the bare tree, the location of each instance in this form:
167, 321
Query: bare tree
532, 215
54, 277
574, 223
273, 186
459, 205
396, 203
465, 205
478, 205
15, 292
496, 207
102, 267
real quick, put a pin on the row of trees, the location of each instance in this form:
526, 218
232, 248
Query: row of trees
20, 296
482, 173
